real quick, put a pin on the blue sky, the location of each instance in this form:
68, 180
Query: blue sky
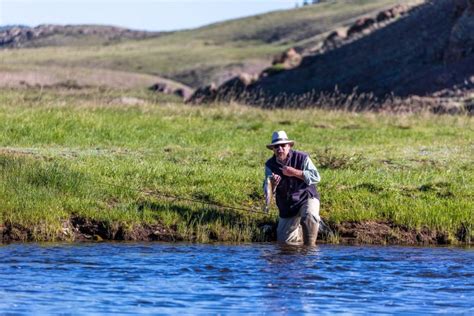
153, 15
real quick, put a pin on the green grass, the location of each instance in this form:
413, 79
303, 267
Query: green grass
64, 155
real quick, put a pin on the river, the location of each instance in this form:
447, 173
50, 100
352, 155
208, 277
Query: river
167, 278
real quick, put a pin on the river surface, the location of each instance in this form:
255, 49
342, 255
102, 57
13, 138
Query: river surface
160, 278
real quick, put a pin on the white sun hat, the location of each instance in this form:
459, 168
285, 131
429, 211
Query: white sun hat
279, 138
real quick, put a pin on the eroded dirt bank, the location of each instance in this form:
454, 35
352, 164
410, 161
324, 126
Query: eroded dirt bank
367, 232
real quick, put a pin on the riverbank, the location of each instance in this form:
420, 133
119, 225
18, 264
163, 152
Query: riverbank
354, 233
93, 165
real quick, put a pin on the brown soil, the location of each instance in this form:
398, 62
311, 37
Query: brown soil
373, 232
367, 232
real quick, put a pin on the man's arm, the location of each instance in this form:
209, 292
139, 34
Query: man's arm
309, 174
293, 172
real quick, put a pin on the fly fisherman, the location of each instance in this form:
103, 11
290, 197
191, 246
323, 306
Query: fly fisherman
292, 176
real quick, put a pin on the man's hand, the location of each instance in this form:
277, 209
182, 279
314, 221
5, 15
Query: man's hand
276, 179
292, 172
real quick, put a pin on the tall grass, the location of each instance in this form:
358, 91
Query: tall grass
65, 156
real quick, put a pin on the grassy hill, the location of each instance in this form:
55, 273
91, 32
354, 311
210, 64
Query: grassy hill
19, 36
213, 53
407, 57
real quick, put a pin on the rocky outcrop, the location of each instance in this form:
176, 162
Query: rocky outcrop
20, 36
336, 36
378, 59
392, 13
205, 94
361, 27
232, 89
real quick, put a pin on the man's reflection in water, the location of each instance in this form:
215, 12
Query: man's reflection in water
291, 277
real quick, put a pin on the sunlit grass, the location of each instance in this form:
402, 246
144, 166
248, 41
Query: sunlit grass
66, 155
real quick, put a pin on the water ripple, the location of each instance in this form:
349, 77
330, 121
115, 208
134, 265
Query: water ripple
157, 278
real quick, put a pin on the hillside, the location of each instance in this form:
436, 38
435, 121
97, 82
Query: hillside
429, 51
214, 53
67, 35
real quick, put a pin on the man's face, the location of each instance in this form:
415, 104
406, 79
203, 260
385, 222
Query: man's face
281, 151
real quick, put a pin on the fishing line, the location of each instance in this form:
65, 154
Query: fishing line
323, 226
158, 193
171, 196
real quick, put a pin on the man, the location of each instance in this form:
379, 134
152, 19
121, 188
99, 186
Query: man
294, 175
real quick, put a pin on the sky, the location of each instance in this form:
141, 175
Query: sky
150, 15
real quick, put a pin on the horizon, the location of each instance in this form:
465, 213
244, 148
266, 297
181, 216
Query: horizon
147, 15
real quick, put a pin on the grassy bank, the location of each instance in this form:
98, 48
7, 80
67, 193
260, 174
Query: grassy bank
86, 158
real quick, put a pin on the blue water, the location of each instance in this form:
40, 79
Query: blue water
157, 278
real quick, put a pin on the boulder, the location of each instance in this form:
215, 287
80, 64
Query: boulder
289, 59
203, 94
162, 87
384, 16
181, 93
398, 10
337, 35
232, 89
166, 88
247, 79
360, 25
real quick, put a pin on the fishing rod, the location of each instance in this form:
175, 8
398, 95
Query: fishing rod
175, 197
156, 192
323, 226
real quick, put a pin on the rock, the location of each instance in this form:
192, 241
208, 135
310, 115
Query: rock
184, 92
232, 89
384, 16
334, 39
398, 10
360, 25
162, 87
203, 95
337, 35
247, 79
289, 59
